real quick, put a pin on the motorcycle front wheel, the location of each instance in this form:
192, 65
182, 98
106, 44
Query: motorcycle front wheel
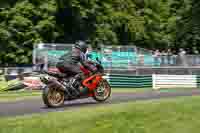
103, 91
53, 97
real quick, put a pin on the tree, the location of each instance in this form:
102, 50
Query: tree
24, 25
145, 23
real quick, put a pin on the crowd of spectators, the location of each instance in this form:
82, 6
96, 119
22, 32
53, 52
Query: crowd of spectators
170, 57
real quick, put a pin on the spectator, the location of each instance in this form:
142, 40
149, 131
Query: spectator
174, 58
141, 59
156, 57
182, 52
196, 56
182, 56
39, 64
163, 55
169, 57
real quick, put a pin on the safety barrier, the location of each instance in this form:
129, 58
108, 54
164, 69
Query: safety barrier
174, 81
155, 81
198, 81
129, 81
149, 81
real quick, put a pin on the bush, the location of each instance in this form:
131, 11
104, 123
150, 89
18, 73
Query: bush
7, 85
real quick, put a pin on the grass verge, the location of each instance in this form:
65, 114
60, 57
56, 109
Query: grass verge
177, 115
18, 95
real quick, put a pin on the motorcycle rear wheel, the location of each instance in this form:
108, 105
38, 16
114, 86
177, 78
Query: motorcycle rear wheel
103, 91
53, 97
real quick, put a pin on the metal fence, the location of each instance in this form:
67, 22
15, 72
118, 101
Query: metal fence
136, 71
49, 54
125, 58
176, 60
112, 57
130, 57
115, 59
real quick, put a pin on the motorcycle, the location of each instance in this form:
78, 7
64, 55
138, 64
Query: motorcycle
58, 88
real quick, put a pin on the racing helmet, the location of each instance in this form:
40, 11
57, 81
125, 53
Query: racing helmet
82, 46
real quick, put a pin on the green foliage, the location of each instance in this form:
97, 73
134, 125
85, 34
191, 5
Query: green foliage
145, 23
189, 26
4, 85
23, 25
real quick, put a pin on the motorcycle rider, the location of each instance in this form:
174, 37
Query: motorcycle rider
70, 64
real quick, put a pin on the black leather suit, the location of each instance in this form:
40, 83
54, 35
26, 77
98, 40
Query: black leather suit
70, 63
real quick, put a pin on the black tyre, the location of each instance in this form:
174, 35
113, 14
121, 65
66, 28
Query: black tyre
103, 91
53, 97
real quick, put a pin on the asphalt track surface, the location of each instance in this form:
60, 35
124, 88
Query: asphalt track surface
35, 106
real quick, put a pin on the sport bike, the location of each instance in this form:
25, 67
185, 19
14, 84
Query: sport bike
58, 87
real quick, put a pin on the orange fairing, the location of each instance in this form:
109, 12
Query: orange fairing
92, 82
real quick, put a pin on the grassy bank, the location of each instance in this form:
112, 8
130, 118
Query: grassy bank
21, 95
18, 95
178, 115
